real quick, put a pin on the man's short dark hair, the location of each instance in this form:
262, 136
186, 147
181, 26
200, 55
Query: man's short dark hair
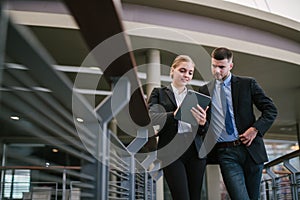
221, 53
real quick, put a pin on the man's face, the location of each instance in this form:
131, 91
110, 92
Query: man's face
221, 68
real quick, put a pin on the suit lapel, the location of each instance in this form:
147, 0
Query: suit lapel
235, 92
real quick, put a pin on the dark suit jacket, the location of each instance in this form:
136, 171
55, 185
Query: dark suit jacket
162, 105
246, 92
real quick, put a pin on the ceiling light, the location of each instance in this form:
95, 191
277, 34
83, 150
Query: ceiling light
295, 147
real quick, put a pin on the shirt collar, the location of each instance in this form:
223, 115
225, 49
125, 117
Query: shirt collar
175, 90
227, 80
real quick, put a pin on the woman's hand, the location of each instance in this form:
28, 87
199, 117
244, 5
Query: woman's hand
199, 114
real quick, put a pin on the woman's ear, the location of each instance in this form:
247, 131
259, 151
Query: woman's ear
171, 72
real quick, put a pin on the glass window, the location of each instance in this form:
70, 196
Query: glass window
16, 182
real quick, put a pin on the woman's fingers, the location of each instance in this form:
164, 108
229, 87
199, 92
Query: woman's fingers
199, 114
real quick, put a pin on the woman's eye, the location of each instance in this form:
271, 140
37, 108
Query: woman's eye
182, 70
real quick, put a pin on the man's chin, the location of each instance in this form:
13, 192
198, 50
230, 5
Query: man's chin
218, 78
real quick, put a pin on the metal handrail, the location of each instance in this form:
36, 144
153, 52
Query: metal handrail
284, 185
283, 158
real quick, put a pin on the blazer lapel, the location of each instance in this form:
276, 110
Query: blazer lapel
170, 94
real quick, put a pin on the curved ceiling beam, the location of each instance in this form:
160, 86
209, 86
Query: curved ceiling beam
230, 12
144, 30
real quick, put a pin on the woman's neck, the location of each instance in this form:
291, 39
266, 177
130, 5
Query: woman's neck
179, 88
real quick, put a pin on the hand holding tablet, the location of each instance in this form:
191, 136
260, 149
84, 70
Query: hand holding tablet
191, 100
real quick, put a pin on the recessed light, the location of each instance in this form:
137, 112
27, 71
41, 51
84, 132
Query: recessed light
79, 119
54, 150
94, 68
15, 118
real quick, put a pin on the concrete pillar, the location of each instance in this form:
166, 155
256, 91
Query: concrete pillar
213, 182
153, 70
160, 188
153, 80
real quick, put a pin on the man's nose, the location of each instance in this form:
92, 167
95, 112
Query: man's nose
217, 69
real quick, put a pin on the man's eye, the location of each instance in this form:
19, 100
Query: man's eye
218, 66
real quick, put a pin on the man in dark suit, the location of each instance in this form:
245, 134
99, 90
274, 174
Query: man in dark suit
239, 134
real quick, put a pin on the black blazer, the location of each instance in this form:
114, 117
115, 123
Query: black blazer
162, 105
246, 92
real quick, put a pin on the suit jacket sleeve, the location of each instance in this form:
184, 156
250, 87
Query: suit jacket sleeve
160, 114
265, 105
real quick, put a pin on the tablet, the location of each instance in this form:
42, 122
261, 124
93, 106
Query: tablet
191, 99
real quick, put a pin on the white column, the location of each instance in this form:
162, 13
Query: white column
153, 80
213, 182
153, 70
160, 188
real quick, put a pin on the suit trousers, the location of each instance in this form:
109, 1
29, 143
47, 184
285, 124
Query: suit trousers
185, 175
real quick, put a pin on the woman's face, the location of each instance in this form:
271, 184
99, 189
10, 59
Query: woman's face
182, 74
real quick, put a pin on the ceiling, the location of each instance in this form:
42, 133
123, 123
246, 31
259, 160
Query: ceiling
280, 79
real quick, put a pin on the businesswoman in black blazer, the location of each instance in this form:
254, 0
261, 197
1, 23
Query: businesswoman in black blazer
179, 142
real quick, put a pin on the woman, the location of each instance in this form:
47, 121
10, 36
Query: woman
179, 142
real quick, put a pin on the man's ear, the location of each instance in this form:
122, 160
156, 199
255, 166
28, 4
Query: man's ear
231, 65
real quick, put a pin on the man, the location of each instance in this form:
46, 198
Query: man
240, 149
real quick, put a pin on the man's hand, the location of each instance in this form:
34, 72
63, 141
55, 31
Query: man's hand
248, 136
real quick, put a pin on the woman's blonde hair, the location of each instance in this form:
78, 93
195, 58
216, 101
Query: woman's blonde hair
180, 59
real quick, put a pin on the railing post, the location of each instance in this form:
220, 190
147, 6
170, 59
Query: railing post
3, 163
133, 148
140, 140
147, 163
273, 176
149, 159
3, 33
293, 170
64, 182
132, 177
119, 99
3, 29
